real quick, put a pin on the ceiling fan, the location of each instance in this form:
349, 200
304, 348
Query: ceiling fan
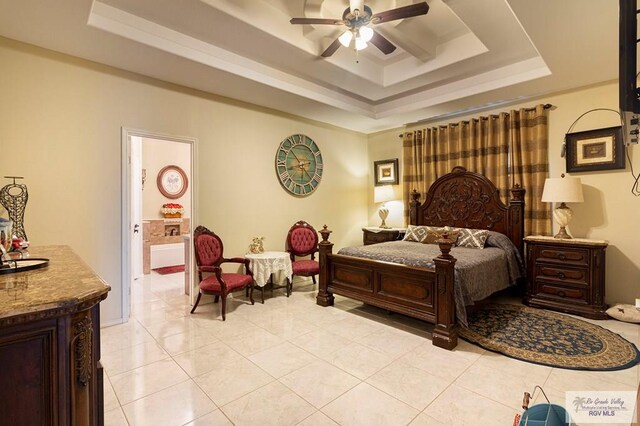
356, 18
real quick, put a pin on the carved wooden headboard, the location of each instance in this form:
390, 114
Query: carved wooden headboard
469, 200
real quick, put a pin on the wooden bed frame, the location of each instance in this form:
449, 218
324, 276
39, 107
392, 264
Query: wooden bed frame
461, 199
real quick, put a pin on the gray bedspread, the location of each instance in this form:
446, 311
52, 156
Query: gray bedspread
478, 272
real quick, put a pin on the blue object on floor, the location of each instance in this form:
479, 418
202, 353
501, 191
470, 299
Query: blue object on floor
544, 415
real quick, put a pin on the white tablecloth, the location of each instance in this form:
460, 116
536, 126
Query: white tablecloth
264, 264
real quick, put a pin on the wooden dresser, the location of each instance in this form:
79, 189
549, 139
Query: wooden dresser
566, 275
374, 235
50, 343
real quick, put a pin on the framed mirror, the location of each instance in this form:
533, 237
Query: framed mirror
172, 182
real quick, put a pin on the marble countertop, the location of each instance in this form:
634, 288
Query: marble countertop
62, 286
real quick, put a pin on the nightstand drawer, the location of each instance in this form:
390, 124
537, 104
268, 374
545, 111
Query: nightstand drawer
562, 275
563, 255
547, 289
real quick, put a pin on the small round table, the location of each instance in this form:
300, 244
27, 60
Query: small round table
264, 265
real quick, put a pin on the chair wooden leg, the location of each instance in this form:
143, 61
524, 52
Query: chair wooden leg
250, 290
224, 306
216, 299
262, 293
197, 301
313, 278
289, 286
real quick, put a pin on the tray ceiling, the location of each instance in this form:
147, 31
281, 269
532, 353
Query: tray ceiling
462, 55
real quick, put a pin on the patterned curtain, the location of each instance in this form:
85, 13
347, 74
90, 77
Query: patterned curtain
529, 137
503, 147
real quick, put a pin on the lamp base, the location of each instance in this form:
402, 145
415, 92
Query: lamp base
562, 215
562, 234
383, 212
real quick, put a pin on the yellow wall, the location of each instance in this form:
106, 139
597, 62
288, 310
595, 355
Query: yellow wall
60, 128
157, 154
609, 210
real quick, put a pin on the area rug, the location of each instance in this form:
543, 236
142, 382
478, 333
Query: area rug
548, 338
169, 269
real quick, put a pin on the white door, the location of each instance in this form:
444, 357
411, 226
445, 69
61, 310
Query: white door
136, 209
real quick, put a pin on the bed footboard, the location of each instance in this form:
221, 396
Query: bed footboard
417, 292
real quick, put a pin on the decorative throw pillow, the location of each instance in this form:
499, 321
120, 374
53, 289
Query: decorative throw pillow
626, 313
471, 238
418, 233
433, 236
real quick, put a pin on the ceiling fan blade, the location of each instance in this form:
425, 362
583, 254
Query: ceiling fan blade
316, 21
331, 49
400, 13
381, 42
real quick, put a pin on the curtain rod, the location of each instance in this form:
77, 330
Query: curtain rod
545, 106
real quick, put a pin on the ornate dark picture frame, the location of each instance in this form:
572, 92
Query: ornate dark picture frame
172, 182
386, 172
594, 150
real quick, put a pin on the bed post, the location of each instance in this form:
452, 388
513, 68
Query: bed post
324, 297
414, 203
516, 213
445, 334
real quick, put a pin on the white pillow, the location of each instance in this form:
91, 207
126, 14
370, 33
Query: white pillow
626, 313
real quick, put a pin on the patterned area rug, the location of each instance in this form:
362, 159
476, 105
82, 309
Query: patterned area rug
547, 338
169, 269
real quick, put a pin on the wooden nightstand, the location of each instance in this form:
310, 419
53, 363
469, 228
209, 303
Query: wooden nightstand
374, 235
566, 275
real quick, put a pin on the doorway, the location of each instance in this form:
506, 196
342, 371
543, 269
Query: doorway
154, 194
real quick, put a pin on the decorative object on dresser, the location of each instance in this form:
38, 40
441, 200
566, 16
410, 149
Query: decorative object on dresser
459, 199
523, 333
172, 182
374, 235
209, 252
562, 190
13, 198
382, 194
386, 172
299, 165
566, 275
302, 241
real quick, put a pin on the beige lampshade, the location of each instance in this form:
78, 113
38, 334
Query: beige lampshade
384, 193
562, 190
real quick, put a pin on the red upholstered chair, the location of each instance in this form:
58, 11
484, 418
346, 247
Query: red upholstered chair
302, 240
209, 257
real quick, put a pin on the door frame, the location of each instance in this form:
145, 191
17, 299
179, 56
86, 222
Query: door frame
126, 224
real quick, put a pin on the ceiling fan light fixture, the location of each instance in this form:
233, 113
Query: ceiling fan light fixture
365, 33
345, 38
360, 43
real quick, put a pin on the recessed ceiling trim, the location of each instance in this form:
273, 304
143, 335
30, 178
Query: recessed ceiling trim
495, 79
124, 24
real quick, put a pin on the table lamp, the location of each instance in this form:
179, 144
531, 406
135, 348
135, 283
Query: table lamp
382, 194
562, 190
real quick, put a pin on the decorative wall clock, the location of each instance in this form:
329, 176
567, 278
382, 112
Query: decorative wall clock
299, 165
172, 182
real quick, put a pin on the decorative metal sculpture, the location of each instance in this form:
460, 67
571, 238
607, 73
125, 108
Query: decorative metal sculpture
13, 197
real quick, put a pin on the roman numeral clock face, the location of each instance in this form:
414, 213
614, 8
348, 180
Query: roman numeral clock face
299, 165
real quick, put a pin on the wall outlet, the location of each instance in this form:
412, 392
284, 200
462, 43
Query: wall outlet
630, 127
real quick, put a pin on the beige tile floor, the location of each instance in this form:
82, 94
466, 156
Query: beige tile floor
291, 362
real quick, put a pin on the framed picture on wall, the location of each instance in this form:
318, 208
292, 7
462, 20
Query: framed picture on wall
386, 172
593, 150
